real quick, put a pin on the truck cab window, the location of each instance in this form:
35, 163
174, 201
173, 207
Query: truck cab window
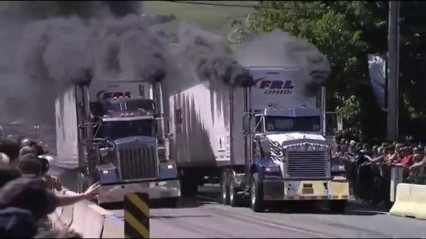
291, 124
120, 129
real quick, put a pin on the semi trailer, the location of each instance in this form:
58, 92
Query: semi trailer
264, 142
114, 132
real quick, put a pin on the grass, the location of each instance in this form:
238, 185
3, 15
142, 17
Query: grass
216, 19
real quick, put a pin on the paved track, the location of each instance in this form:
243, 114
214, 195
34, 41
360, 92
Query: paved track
203, 218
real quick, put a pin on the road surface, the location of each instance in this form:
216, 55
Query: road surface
204, 218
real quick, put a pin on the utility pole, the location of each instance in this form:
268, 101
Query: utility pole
393, 71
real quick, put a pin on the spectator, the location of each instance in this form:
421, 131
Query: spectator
4, 161
419, 160
406, 157
32, 195
17, 223
11, 149
7, 172
24, 142
391, 155
30, 166
27, 150
375, 151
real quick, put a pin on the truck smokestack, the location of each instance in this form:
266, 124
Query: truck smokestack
210, 56
277, 48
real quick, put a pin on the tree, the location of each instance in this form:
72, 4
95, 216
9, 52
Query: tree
346, 31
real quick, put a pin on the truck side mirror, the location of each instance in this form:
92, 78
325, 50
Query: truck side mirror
246, 122
264, 145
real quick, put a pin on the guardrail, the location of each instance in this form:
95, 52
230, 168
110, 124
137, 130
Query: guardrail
88, 219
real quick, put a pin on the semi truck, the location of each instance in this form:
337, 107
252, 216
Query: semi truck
114, 132
265, 142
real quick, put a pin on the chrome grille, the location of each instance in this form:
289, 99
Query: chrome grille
306, 164
138, 162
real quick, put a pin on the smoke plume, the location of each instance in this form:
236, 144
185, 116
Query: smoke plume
52, 44
207, 52
277, 48
128, 50
33, 10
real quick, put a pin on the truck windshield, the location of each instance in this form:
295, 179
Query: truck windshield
120, 129
288, 124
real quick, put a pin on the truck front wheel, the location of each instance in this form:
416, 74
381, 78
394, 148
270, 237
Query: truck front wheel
256, 194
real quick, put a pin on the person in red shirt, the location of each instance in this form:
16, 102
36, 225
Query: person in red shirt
406, 158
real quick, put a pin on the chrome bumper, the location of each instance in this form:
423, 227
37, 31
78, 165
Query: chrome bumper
280, 190
156, 190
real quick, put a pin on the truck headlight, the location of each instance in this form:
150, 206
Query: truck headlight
272, 169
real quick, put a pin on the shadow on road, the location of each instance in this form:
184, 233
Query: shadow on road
356, 208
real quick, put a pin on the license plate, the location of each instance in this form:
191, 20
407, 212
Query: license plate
165, 194
307, 190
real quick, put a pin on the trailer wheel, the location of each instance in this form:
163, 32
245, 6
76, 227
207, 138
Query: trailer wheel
224, 185
338, 206
256, 194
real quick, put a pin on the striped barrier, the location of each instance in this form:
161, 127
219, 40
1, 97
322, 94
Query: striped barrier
88, 219
136, 215
410, 201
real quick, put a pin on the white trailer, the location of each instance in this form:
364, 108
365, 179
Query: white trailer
113, 132
265, 142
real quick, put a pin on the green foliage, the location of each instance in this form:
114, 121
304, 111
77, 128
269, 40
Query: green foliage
345, 31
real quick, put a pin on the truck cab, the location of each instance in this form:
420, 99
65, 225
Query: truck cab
290, 141
287, 146
117, 134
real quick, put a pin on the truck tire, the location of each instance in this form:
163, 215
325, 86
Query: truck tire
338, 206
256, 194
234, 199
224, 186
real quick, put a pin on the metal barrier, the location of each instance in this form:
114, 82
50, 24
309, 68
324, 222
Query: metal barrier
397, 177
416, 177
371, 182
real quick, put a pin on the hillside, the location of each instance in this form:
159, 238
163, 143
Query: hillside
217, 19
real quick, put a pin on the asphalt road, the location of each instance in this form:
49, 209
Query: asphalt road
205, 218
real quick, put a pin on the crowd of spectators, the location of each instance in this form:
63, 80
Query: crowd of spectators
26, 191
369, 167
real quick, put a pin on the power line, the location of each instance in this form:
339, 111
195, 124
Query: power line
238, 5
219, 4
